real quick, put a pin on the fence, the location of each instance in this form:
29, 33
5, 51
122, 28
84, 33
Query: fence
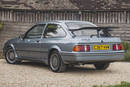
98, 17
17, 22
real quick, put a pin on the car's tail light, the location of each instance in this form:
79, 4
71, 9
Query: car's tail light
81, 48
114, 47
120, 47
117, 47
87, 47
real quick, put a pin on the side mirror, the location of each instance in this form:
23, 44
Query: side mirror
21, 36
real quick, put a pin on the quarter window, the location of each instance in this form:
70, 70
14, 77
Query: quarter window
54, 30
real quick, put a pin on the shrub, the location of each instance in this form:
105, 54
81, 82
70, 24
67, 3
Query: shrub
1, 25
127, 56
126, 46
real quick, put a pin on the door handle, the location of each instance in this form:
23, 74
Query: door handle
38, 41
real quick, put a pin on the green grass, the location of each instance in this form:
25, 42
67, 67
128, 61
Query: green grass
123, 84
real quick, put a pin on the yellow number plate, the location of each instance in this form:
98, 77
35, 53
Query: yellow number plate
101, 47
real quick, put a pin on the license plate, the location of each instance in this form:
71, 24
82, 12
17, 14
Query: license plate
101, 47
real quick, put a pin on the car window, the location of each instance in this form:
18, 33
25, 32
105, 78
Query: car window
105, 33
35, 32
73, 26
54, 30
77, 25
92, 32
87, 32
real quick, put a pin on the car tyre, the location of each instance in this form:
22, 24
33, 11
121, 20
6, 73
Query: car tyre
56, 63
10, 57
101, 66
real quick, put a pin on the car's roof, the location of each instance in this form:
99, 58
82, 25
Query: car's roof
64, 21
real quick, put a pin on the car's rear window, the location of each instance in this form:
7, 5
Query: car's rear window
77, 25
86, 32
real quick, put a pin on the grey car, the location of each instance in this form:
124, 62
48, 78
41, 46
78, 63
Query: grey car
63, 43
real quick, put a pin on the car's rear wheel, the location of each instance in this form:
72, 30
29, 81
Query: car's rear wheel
56, 63
10, 57
101, 66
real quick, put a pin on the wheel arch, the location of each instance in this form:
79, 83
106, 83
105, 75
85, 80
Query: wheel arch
13, 47
53, 48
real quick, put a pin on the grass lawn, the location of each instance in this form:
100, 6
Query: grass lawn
123, 84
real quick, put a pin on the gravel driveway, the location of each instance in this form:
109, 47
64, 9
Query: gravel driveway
30, 74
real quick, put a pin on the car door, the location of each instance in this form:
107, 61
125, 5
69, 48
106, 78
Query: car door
30, 46
53, 35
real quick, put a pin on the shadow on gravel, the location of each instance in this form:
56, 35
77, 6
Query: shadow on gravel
34, 64
72, 70
88, 70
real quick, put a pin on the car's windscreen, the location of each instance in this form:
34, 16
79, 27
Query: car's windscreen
86, 32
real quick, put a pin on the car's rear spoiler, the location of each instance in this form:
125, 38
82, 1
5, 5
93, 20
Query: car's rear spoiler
98, 28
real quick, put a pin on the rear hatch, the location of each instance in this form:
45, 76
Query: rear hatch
94, 39
100, 44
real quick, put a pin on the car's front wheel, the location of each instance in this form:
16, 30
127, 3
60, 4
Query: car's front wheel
56, 63
101, 66
10, 56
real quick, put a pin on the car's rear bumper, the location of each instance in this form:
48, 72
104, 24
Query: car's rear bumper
91, 57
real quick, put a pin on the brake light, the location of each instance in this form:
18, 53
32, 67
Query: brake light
114, 47
88, 48
118, 47
81, 48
